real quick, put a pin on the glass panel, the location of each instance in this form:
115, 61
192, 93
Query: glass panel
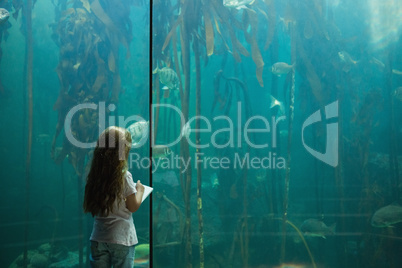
276, 129
299, 158
89, 71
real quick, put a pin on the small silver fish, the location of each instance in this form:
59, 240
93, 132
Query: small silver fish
317, 228
160, 151
395, 71
387, 216
4, 15
168, 77
185, 132
345, 57
281, 68
274, 102
238, 4
398, 93
377, 62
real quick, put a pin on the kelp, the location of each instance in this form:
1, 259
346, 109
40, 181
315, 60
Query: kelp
305, 24
209, 34
29, 86
364, 122
235, 88
164, 205
311, 28
198, 143
210, 27
17, 5
289, 143
232, 84
250, 20
224, 21
394, 164
271, 19
9, 5
88, 36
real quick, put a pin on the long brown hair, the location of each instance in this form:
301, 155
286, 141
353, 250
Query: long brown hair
105, 180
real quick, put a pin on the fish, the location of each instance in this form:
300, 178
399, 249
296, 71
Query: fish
185, 132
274, 103
395, 71
238, 4
317, 228
214, 181
346, 58
4, 15
160, 151
168, 77
387, 216
398, 93
139, 133
377, 62
280, 68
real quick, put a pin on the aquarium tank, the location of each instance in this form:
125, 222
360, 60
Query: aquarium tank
269, 130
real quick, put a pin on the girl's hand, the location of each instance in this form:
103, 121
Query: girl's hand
140, 187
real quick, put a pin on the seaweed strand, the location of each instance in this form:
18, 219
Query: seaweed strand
185, 43
29, 65
289, 158
393, 158
176, 63
198, 142
304, 242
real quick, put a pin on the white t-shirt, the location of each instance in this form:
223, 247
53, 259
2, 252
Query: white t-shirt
118, 227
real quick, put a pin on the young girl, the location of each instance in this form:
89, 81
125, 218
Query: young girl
111, 197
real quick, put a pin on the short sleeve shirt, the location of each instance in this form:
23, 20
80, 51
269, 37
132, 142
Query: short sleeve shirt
118, 227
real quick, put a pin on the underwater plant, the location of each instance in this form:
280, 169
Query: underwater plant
5, 10
88, 35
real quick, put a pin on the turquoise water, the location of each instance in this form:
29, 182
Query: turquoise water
276, 134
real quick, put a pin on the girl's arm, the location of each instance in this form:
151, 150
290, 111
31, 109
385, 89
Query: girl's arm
133, 201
